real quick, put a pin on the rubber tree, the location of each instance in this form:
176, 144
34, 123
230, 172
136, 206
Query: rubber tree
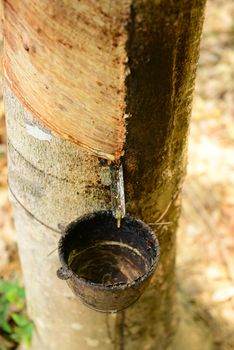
89, 83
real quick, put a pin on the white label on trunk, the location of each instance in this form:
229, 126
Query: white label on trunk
38, 133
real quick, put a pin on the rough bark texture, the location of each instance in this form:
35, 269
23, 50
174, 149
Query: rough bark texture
52, 182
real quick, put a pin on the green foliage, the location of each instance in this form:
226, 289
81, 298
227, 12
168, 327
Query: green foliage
15, 326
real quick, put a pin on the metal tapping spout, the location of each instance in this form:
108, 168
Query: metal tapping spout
117, 193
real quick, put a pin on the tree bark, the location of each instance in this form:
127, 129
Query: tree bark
86, 43
52, 182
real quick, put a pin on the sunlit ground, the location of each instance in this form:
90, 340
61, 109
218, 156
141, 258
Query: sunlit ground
205, 263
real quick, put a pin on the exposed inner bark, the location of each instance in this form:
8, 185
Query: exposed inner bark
65, 61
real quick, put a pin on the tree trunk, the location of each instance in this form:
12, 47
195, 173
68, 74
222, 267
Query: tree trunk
52, 181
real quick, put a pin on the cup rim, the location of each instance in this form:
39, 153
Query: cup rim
99, 286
